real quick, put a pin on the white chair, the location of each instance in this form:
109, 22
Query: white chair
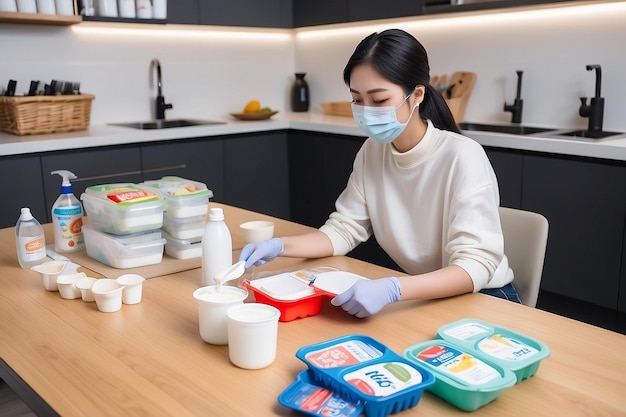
525, 240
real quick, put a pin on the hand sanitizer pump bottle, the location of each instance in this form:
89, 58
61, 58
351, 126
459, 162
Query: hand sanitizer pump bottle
67, 217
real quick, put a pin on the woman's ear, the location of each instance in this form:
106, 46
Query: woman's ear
418, 95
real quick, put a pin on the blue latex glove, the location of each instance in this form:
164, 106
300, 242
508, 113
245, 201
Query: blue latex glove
368, 297
258, 253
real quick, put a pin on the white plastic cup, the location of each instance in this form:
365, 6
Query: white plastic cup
159, 9
67, 285
51, 270
133, 285
84, 285
213, 307
46, 7
65, 7
108, 295
252, 335
8, 6
26, 6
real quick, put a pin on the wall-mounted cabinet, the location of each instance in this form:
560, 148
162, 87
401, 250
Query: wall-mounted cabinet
323, 12
268, 13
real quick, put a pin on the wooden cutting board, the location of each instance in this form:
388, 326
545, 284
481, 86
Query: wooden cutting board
456, 91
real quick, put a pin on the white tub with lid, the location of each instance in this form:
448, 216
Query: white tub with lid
183, 248
123, 209
127, 251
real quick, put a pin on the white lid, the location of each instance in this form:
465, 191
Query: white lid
26, 214
216, 214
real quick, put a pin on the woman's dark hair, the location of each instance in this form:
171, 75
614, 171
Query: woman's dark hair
401, 59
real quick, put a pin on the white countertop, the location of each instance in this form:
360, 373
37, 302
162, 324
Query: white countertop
105, 135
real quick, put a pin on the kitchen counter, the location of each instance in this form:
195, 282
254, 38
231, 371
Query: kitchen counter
104, 135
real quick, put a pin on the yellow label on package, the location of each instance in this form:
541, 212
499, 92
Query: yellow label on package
459, 365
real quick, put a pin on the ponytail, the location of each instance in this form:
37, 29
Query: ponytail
435, 108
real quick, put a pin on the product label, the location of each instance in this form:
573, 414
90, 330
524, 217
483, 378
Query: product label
68, 234
33, 247
130, 195
343, 354
459, 365
324, 402
506, 348
384, 379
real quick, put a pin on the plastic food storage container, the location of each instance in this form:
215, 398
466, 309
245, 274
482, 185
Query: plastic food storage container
183, 248
521, 354
184, 198
466, 380
185, 228
313, 399
299, 294
127, 251
122, 209
361, 369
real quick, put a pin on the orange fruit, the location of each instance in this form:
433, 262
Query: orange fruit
253, 106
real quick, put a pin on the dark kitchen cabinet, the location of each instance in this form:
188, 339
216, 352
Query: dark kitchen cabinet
508, 168
585, 204
444, 6
252, 13
256, 173
183, 12
375, 9
319, 12
199, 159
92, 166
319, 167
21, 186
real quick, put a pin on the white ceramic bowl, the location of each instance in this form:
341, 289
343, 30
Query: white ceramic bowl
132, 284
257, 230
67, 285
108, 294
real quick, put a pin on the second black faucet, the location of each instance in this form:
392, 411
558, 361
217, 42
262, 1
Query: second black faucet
161, 106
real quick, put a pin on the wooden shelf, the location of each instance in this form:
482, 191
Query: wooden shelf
39, 19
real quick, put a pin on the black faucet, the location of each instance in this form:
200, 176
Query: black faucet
161, 106
595, 109
518, 104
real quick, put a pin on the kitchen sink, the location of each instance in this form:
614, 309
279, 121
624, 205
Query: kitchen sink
590, 134
509, 129
166, 124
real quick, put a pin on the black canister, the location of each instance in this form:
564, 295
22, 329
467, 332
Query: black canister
300, 94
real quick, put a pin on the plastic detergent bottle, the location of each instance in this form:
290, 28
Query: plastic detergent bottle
30, 240
67, 217
217, 247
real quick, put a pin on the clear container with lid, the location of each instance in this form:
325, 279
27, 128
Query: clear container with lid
123, 209
185, 198
127, 251
183, 248
186, 228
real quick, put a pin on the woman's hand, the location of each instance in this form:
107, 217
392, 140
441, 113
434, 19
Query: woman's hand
368, 297
258, 253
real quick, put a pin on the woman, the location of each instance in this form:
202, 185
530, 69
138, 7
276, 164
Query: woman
426, 192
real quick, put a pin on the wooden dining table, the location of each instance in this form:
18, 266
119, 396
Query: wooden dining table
64, 357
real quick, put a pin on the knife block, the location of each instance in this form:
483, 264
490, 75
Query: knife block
456, 92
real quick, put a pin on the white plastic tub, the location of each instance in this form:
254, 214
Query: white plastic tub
123, 209
183, 248
128, 251
189, 228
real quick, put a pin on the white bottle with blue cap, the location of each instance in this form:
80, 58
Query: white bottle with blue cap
67, 217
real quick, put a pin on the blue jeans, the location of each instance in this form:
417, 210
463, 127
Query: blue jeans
507, 292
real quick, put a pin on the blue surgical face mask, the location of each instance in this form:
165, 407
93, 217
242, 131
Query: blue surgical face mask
380, 123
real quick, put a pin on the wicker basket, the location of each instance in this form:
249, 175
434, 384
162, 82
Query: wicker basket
32, 115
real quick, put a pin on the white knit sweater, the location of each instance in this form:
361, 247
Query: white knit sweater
433, 206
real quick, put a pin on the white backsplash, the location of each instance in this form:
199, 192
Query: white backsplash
208, 73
